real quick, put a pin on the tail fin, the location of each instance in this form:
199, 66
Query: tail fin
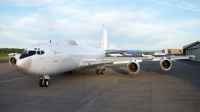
104, 39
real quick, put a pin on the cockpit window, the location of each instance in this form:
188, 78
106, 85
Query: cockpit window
27, 53
42, 52
38, 52
31, 52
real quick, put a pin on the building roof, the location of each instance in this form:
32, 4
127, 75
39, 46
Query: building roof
189, 45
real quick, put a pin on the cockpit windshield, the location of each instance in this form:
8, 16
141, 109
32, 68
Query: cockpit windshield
31, 52
27, 53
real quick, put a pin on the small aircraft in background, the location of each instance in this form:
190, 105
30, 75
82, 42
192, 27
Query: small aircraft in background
158, 54
126, 54
115, 55
146, 55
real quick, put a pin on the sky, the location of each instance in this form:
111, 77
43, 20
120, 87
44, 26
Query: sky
131, 24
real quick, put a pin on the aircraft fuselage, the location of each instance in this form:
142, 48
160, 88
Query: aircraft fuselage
52, 58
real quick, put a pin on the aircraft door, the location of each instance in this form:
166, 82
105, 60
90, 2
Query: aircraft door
56, 53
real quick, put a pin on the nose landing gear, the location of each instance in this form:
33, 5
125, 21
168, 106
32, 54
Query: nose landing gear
43, 82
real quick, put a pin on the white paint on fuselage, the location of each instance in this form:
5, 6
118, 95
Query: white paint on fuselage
64, 58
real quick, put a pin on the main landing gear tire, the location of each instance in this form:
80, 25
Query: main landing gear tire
44, 83
101, 71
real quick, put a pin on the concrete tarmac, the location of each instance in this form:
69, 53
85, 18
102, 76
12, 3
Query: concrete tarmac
151, 90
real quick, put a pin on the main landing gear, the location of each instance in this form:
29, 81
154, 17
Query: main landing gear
43, 82
101, 70
70, 72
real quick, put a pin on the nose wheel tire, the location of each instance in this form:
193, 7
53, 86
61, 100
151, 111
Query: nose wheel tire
46, 83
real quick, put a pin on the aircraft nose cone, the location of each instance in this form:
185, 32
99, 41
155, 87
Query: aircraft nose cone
24, 63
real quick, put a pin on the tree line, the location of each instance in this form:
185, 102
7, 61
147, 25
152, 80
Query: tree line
11, 50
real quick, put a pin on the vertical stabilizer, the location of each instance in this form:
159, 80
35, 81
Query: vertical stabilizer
104, 39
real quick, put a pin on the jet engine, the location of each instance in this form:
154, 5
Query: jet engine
165, 64
13, 60
133, 67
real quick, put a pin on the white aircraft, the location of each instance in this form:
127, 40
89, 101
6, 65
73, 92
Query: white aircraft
47, 59
125, 53
115, 55
159, 54
147, 55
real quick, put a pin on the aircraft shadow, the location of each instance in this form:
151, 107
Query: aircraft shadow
186, 72
118, 69
190, 62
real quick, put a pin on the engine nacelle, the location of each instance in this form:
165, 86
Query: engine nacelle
133, 67
165, 64
13, 60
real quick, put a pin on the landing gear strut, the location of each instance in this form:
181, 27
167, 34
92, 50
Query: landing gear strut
43, 82
101, 70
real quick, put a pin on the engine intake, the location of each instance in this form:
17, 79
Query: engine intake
13, 60
133, 67
166, 64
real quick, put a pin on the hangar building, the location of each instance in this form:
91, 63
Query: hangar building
193, 49
172, 51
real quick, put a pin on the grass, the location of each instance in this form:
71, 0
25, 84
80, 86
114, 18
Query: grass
4, 56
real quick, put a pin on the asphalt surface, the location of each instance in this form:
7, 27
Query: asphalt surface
151, 90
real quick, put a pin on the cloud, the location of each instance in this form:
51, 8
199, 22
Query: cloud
70, 10
127, 28
135, 35
118, 16
161, 2
189, 24
30, 3
113, 48
191, 5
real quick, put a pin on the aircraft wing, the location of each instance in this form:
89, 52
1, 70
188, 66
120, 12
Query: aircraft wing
181, 57
117, 60
125, 60
91, 63
13, 54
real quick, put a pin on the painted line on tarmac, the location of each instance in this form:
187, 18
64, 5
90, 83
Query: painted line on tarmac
15, 79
